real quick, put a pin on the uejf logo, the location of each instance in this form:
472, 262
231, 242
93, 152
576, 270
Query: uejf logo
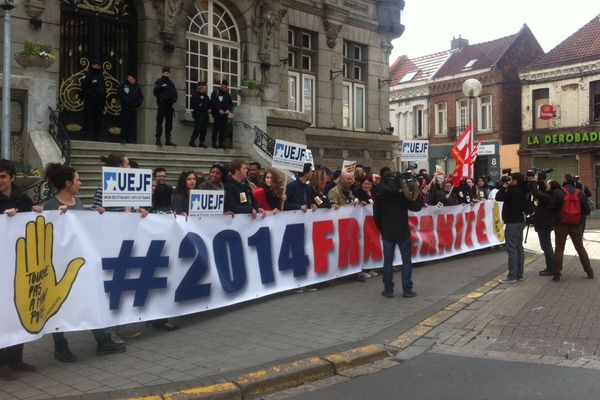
196, 204
110, 181
126, 182
207, 201
279, 150
290, 152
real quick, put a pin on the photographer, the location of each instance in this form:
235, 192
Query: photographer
573, 208
544, 217
512, 193
390, 211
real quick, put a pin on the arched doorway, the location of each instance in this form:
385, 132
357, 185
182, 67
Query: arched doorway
102, 29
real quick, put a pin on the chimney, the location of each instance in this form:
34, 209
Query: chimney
459, 43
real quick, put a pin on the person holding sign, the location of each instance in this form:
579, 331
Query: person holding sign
181, 196
318, 184
238, 193
298, 191
341, 194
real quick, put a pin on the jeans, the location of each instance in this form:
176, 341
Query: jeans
546, 245
575, 232
513, 233
388, 264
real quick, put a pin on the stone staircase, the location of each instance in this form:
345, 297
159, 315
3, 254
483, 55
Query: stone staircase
85, 158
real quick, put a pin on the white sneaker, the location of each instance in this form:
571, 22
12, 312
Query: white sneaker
116, 338
373, 273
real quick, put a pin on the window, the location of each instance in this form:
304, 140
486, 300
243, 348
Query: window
540, 96
470, 64
213, 47
354, 90
302, 79
408, 76
595, 102
418, 123
485, 114
462, 114
441, 119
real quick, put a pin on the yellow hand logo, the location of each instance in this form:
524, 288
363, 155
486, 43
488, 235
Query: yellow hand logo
498, 225
38, 295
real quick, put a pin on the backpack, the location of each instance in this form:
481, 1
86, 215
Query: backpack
570, 213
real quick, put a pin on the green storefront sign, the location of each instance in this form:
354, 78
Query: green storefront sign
561, 138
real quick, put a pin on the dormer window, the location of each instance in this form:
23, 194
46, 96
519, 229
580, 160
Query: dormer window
408, 76
470, 64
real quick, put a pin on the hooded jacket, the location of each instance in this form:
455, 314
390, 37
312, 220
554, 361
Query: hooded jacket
390, 210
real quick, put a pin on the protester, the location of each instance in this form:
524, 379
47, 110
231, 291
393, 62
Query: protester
298, 191
65, 180
254, 177
376, 180
166, 97
222, 107
390, 212
93, 92
341, 193
363, 191
159, 175
216, 175
330, 179
482, 189
544, 219
573, 207
436, 194
162, 199
450, 198
181, 195
200, 105
269, 195
115, 160
131, 98
12, 202
467, 193
238, 193
318, 193
512, 193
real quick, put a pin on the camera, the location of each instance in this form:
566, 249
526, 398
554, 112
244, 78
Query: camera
542, 174
505, 178
506, 171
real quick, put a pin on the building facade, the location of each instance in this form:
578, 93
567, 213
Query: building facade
317, 65
561, 109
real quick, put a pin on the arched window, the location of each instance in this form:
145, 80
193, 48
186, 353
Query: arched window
213, 47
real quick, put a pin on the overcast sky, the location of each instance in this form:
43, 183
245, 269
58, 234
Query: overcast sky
431, 24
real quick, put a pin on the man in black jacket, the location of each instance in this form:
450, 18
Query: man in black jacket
222, 107
166, 97
12, 202
200, 105
238, 193
574, 231
390, 210
298, 191
544, 220
94, 95
131, 98
512, 193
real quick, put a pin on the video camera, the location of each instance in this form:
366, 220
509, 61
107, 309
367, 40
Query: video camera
542, 174
409, 176
505, 175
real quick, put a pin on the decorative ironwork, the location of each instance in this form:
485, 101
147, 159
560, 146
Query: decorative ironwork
261, 139
70, 88
112, 105
112, 7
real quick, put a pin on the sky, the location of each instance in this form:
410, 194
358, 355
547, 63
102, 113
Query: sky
431, 24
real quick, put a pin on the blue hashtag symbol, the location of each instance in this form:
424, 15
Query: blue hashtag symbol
146, 281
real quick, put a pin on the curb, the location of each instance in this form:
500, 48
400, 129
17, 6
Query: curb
296, 373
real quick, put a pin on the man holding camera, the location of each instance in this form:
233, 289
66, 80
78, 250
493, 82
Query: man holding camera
573, 208
512, 193
390, 210
544, 217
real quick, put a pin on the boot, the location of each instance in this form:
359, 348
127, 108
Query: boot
6, 373
62, 352
107, 346
158, 142
169, 143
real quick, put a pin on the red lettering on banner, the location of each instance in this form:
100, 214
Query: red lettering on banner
372, 240
322, 244
428, 245
444, 232
349, 236
413, 223
469, 218
459, 231
480, 226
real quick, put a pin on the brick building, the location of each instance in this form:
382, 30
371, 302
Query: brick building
561, 108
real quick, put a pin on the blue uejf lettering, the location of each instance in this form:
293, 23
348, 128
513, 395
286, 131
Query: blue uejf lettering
211, 202
290, 152
132, 182
415, 147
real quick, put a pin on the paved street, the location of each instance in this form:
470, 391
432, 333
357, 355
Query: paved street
214, 344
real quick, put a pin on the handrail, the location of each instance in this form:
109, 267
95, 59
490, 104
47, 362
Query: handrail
40, 191
261, 139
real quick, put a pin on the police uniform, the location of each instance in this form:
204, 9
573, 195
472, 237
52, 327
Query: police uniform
200, 104
131, 99
94, 96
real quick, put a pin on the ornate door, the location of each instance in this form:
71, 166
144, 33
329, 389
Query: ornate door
101, 29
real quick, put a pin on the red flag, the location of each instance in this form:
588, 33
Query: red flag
461, 151
474, 153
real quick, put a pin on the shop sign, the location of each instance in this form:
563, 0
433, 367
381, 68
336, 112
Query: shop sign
561, 138
547, 111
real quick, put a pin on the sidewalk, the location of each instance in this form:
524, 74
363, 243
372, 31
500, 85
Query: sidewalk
217, 345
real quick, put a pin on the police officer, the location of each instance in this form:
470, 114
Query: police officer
200, 104
94, 95
222, 106
166, 97
131, 98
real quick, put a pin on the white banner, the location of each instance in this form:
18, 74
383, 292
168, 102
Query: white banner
415, 150
206, 202
289, 155
126, 187
83, 270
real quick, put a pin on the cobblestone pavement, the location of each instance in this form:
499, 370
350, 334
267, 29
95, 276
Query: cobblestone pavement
213, 344
535, 320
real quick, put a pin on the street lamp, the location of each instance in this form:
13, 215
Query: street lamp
471, 88
7, 6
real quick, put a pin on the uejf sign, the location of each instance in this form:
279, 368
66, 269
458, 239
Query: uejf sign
415, 150
126, 187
